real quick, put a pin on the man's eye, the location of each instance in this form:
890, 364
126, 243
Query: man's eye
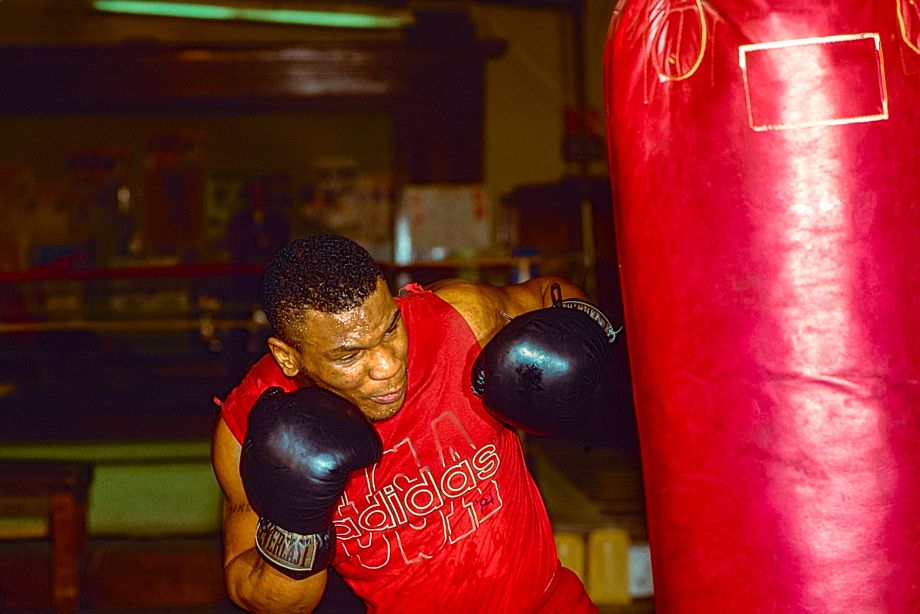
347, 358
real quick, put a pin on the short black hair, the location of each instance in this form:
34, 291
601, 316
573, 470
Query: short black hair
324, 272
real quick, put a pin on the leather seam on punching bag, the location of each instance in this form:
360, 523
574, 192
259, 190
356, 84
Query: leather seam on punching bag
902, 24
689, 72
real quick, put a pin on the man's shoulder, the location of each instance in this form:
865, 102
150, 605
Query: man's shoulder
460, 291
475, 302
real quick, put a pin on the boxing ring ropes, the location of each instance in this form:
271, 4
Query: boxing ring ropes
208, 323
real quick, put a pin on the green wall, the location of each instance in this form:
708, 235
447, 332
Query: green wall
154, 488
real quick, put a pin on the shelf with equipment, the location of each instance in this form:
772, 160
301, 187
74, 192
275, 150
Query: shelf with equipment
173, 124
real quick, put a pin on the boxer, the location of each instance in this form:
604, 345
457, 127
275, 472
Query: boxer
424, 504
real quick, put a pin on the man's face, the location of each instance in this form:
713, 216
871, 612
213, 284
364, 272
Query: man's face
359, 354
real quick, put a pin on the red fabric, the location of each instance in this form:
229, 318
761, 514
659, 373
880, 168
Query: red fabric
261, 376
767, 209
566, 595
449, 520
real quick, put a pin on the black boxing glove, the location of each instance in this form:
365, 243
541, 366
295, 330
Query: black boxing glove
540, 372
300, 449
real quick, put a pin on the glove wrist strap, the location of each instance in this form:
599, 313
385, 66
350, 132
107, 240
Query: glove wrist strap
291, 553
596, 314
584, 306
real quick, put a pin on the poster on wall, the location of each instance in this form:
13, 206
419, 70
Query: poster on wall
435, 222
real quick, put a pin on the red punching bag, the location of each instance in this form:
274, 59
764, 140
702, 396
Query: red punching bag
765, 159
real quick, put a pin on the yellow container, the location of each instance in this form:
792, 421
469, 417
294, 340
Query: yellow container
608, 566
570, 546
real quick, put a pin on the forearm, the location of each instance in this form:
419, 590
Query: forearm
251, 582
566, 287
487, 308
257, 587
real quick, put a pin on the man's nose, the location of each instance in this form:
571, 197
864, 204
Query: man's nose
385, 363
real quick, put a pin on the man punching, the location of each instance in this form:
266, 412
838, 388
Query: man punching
374, 439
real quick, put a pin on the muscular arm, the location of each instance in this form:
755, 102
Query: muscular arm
482, 305
251, 583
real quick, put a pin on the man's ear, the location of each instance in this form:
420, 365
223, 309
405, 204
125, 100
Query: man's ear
287, 357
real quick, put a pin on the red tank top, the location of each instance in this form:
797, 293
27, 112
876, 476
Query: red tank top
449, 520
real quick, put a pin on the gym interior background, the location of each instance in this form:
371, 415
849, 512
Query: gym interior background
148, 166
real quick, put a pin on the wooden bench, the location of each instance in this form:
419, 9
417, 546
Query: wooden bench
62, 486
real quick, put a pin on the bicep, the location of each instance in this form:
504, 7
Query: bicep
239, 519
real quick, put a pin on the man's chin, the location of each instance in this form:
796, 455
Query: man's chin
379, 414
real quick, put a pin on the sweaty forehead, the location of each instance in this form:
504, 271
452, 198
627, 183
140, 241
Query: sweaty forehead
361, 326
